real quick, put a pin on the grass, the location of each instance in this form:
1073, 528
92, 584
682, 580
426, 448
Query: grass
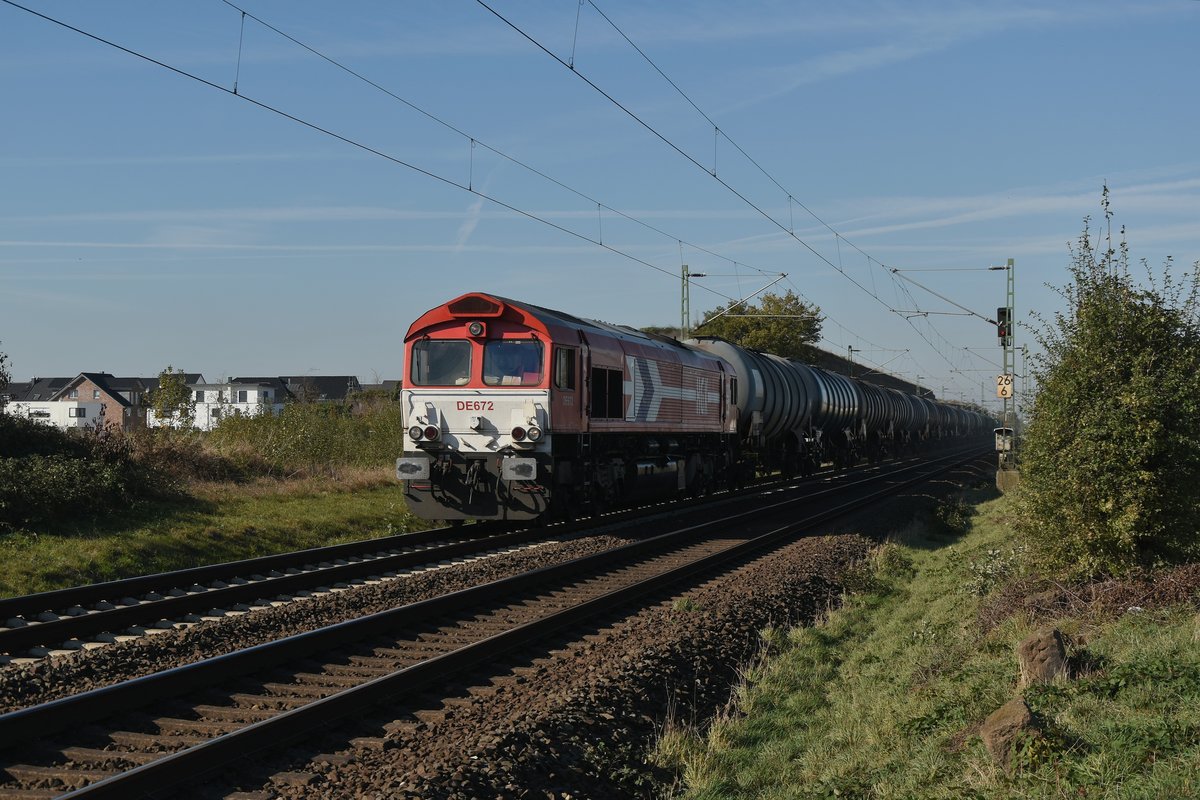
884, 699
218, 522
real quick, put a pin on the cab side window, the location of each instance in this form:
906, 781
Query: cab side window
564, 368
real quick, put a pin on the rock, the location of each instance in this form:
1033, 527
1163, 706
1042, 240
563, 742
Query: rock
1001, 729
1043, 658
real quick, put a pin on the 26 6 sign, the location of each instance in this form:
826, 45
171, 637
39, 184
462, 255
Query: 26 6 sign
1004, 385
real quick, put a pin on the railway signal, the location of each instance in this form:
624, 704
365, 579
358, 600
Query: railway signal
1004, 325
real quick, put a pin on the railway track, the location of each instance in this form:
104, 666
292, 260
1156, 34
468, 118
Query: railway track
64, 621
36, 625
145, 735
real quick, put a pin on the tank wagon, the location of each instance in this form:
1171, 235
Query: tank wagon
513, 411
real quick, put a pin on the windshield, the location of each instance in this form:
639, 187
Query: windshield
512, 362
441, 362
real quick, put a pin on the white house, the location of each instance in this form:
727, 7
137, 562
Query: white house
60, 413
213, 401
44, 401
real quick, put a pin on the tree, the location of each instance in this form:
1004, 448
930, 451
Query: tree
670, 331
1111, 456
173, 401
784, 325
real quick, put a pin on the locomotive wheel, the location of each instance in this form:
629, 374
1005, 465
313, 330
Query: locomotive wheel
599, 501
566, 503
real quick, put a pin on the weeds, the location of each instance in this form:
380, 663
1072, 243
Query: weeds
997, 567
685, 604
885, 696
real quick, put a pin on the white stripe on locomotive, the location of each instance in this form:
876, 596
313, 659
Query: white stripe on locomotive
646, 391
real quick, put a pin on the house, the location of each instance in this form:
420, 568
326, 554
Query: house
254, 395
33, 400
388, 387
317, 388
37, 389
121, 399
189, 378
212, 402
98, 399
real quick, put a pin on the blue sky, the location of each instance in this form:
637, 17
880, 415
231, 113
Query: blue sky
147, 218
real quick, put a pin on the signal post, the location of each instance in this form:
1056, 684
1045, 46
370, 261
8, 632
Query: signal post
1007, 471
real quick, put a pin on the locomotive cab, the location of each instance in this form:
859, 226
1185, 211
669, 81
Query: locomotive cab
476, 404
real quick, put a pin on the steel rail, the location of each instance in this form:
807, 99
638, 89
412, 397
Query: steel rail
122, 617
21, 726
68, 627
128, 587
30, 604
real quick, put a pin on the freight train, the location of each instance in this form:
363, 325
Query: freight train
517, 412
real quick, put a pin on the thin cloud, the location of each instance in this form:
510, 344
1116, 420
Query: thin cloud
311, 214
293, 248
907, 33
164, 159
469, 224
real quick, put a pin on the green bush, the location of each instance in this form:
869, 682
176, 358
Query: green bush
1111, 456
313, 438
178, 456
41, 489
48, 475
22, 437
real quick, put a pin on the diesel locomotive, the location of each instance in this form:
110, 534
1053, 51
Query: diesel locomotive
516, 412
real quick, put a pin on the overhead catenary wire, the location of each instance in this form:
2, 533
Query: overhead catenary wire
671, 144
965, 310
347, 140
838, 237
469, 187
474, 141
717, 132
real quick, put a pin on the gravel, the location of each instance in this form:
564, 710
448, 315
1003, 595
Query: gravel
580, 724
23, 685
577, 724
